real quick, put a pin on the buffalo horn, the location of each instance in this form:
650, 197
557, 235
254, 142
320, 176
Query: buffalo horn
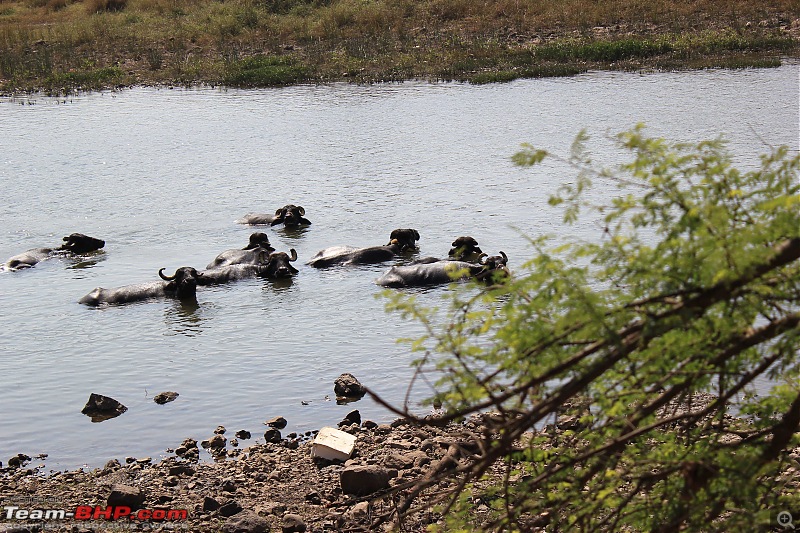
292, 254
165, 278
301, 210
505, 257
279, 212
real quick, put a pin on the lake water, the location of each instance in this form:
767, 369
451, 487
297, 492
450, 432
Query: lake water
162, 174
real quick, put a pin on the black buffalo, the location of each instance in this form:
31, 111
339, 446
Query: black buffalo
400, 241
181, 285
466, 249
275, 265
289, 215
74, 244
252, 254
490, 270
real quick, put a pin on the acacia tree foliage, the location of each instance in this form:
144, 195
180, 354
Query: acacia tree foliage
651, 337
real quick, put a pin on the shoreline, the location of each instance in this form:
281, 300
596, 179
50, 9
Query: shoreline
63, 47
261, 487
279, 486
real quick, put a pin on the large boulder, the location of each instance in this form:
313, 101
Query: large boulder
348, 387
364, 480
100, 408
126, 496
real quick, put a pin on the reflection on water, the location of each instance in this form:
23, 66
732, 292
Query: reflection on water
84, 263
293, 233
362, 161
279, 284
184, 318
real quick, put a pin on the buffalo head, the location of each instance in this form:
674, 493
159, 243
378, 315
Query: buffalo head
278, 264
493, 269
183, 282
404, 238
290, 215
78, 243
465, 249
257, 240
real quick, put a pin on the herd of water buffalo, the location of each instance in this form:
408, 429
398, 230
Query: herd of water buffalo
259, 259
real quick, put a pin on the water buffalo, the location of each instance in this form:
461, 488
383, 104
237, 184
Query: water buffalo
289, 215
400, 240
249, 255
463, 249
490, 270
181, 285
74, 244
276, 265
466, 249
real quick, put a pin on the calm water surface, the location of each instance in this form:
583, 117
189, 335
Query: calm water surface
161, 175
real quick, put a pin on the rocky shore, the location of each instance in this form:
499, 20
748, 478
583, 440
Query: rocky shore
274, 486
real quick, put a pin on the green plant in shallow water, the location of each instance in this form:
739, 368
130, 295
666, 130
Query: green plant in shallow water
640, 344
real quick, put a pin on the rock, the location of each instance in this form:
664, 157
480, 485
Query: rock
246, 522
111, 466
164, 397
347, 386
369, 424
292, 523
229, 508
353, 417
359, 511
188, 449
278, 422
100, 408
402, 461
125, 495
313, 498
274, 508
210, 504
217, 441
181, 469
272, 435
18, 460
220, 430
243, 434
364, 480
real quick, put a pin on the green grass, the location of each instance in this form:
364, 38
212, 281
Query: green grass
255, 43
90, 80
265, 71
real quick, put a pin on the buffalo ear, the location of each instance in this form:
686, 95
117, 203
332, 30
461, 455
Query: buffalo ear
171, 286
293, 269
416, 234
276, 222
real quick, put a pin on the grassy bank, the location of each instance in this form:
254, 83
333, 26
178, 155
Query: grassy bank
65, 45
